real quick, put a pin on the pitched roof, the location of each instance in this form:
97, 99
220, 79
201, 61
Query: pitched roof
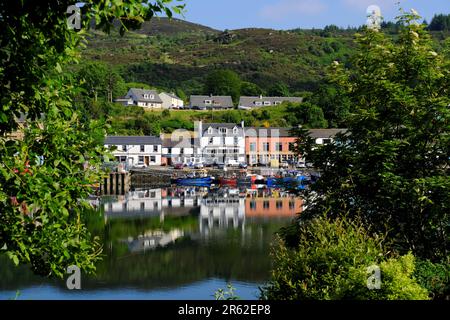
270, 101
268, 132
140, 94
171, 95
325, 133
216, 126
217, 101
132, 140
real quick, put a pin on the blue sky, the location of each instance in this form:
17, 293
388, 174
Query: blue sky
289, 14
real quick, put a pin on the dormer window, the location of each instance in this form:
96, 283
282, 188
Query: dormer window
152, 97
208, 102
223, 130
258, 103
277, 103
235, 130
267, 103
145, 96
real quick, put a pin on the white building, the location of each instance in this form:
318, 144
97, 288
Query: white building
324, 136
171, 101
181, 149
142, 98
136, 150
222, 142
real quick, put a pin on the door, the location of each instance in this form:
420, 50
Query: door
147, 160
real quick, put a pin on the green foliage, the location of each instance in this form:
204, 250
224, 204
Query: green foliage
250, 89
279, 90
45, 176
307, 115
440, 22
435, 277
391, 167
229, 294
223, 83
331, 262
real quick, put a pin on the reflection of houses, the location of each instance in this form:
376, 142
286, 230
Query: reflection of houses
266, 145
222, 212
154, 202
145, 150
220, 142
153, 239
273, 207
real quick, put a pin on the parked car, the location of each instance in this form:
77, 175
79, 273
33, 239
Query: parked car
140, 165
179, 166
232, 163
221, 166
243, 165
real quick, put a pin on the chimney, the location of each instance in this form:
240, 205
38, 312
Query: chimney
260, 96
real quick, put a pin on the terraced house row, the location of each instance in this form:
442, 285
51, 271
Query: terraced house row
214, 143
153, 100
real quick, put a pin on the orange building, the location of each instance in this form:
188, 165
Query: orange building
262, 145
273, 207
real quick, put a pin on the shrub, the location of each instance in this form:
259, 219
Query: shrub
331, 263
435, 277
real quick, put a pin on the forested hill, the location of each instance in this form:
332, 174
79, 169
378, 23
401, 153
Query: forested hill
178, 54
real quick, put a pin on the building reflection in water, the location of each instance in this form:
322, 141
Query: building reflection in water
217, 209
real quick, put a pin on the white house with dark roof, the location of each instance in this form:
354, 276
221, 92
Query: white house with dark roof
211, 102
135, 150
171, 101
258, 102
142, 98
222, 142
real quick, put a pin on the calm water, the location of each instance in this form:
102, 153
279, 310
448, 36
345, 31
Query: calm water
175, 243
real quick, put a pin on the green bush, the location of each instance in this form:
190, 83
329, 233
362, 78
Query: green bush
435, 277
332, 261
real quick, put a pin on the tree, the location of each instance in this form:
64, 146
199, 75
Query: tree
331, 263
250, 89
223, 82
391, 166
307, 115
333, 103
45, 177
440, 22
279, 90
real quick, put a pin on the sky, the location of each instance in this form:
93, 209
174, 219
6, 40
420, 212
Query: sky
307, 14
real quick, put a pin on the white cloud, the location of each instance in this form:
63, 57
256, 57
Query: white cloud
284, 9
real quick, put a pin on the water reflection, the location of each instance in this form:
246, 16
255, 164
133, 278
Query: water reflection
175, 240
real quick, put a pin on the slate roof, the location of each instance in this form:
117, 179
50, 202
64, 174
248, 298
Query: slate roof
141, 92
217, 101
250, 101
272, 131
216, 126
172, 95
325, 133
132, 140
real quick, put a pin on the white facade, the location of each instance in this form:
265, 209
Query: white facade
144, 98
222, 143
170, 101
144, 151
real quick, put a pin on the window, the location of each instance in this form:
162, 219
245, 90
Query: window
155, 205
124, 148
278, 146
236, 140
291, 205
253, 147
235, 130
258, 103
153, 159
223, 130
142, 148
145, 96
142, 206
152, 194
279, 204
266, 204
211, 140
266, 146
152, 97
326, 141
141, 159
155, 148
253, 205
208, 102
277, 103
267, 103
